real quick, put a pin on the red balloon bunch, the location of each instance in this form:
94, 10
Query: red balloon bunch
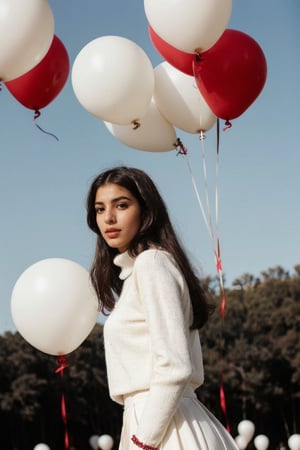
230, 75
38, 87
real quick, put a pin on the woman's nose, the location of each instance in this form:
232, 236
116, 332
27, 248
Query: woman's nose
109, 217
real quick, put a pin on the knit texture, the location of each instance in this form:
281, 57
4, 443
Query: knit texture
148, 341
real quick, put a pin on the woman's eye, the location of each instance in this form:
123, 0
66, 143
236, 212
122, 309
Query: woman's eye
99, 210
122, 206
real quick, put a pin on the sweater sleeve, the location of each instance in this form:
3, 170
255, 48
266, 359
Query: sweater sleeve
165, 298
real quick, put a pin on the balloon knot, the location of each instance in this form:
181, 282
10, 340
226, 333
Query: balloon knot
181, 149
62, 362
37, 114
228, 125
136, 124
201, 135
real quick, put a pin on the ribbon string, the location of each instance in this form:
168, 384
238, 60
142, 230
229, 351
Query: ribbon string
62, 363
213, 234
36, 115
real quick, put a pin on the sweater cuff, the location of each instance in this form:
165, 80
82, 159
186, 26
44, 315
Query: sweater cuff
140, 444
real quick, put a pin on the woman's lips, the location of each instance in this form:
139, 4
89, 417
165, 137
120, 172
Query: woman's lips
112, 233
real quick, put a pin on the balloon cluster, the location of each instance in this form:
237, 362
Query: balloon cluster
34, 63
209, 72
246, 430
294, 441
41, 446
104, 442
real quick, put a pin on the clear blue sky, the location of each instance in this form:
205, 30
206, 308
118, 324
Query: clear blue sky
43, 183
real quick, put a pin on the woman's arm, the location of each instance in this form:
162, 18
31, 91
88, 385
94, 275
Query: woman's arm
165, 297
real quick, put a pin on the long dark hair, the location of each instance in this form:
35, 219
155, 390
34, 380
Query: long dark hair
156, 231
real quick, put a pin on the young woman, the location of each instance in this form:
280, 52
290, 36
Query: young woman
156, 306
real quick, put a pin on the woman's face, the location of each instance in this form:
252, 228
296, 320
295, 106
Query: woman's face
118, 215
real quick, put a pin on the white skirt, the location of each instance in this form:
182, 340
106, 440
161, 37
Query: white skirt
193, 426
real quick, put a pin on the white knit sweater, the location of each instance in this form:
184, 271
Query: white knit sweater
148, 343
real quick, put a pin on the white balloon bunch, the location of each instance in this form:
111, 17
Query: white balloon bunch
41, 446
246, 430
104, 442
261, 442
113, 78
294, 442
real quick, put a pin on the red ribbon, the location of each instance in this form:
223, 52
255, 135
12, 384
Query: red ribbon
223, 403
223, 304
182, 150
62, 362
222, 309
219, 270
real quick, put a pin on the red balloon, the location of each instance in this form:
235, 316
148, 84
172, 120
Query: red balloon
180, 60
231, 74
38, 87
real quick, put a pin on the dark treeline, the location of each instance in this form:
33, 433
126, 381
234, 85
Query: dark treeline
256, 348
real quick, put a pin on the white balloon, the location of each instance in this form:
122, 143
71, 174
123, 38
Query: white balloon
189, 25
93, 441
54, 306
180, 101
113, 79
261, 442
155, 133
246, 429
241, 442
105, 442
41, 447
294, 442
26, 33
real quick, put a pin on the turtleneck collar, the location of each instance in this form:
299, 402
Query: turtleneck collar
125, 261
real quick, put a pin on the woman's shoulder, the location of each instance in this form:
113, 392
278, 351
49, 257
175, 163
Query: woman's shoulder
159, 265
154, 258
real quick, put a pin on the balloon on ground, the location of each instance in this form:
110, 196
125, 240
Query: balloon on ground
93, 441
246, 429
241, 442
261, 442
54, 306
105, 442
41, 446
294, 442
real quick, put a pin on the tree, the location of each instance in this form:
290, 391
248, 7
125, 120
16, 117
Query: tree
31, 392
259, 344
